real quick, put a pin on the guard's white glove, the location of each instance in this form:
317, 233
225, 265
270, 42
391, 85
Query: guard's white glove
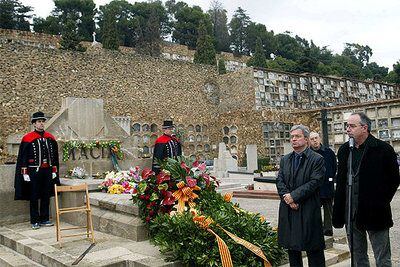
53, 175
26, 178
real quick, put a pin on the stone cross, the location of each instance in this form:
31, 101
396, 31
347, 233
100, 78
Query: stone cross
94, 37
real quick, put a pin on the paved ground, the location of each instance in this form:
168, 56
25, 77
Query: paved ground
269, 208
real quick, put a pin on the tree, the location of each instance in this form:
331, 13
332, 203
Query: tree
344, 66
221, 66
394, 76
283, 64
258, 59
80, 11
396, 69
110, 38
359, 54
205, 52
187, 23
49, 25
374, 71
14, 15
220, 28
152, 10
308, 62
289, 47
391, 77
256, 30
126, 23
70, 39
150, 41
238, 26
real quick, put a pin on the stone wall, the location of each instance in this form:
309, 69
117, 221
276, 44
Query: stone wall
143, 88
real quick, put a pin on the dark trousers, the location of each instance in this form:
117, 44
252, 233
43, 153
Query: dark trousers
316, 258
40, 188
327, 206
42, 215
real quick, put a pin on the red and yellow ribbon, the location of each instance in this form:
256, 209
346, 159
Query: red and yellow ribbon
205, 223
184, 195
253, 248
224, 253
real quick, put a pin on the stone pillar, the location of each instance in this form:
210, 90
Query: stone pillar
251, 158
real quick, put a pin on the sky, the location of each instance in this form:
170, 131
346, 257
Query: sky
326, 22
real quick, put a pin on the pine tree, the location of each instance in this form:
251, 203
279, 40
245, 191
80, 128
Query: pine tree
14, 15
221, 66
70, 39
205, 51
238, 29
110, 31
258, 59
220, 26
149, 42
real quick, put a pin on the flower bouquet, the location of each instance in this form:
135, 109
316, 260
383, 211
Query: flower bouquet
194, 224
122, 182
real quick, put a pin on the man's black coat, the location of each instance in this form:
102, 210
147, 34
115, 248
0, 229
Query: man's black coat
378, 181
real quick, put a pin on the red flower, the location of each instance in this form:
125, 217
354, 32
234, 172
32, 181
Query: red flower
190, 181
151, 213
148, 219
202, 167
195, 164
168, 199
162, 177
146, 173
184, 166
206, 177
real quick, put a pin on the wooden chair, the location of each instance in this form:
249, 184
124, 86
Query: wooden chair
85, 208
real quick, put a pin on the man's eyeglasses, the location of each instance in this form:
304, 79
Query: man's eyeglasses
352, 126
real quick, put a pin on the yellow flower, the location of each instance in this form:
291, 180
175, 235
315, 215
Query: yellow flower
262, 218
228, 197
116, 189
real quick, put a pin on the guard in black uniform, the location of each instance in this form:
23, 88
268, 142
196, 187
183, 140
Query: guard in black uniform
37, 171
166, 146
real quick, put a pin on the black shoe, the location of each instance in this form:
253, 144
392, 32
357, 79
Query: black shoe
328, 233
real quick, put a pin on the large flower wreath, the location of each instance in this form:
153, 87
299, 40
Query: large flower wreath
194, 224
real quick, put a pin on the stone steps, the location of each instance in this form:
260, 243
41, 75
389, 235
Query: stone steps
11, 258
263, 194
112, 214
117, 215
338, 253
41, 247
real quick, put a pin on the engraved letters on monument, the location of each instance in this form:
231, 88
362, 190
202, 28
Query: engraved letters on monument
89, 153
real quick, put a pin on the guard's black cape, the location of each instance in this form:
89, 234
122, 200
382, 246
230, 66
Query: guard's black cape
28, 156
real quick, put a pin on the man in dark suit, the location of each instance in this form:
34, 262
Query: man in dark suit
300, 175
166, 146
37, 171
327, 190
375, 181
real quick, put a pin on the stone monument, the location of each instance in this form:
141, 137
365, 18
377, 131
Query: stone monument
251, 158
83, 120
225, 162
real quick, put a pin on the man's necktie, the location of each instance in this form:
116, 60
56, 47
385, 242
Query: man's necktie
297, 160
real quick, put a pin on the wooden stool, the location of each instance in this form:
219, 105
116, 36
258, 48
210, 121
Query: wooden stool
86, 208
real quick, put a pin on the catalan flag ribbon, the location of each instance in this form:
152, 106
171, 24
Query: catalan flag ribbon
224, 253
